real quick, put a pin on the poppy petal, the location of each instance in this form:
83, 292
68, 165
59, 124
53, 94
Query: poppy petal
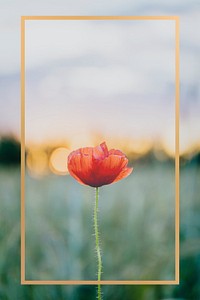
116, 152
81, 166
114, 163
109, 169
96, 166
101, 151
86, 150
123, 174
76, 177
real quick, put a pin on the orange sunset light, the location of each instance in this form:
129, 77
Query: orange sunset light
58, 161
37, 162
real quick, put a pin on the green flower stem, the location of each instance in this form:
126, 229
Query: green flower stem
97, 242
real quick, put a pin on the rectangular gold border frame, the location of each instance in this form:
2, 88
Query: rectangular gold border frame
177, 206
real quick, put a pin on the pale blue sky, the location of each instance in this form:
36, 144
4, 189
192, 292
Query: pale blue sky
43, 69
116, 78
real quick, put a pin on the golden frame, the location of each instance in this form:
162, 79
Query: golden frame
177, 206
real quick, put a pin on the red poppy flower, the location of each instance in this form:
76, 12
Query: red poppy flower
96, 166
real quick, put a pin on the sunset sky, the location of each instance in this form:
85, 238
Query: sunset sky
116, 78
112, 78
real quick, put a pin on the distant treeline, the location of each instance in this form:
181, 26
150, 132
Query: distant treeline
151, 157
9, 151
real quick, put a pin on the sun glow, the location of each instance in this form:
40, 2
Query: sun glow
37, 162
58, 161
139, 148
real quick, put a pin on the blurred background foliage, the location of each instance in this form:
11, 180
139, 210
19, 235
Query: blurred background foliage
61, 243
9, 151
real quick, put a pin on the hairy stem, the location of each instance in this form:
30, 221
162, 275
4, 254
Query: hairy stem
97, 242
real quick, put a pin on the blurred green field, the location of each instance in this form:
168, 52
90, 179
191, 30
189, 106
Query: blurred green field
136, 222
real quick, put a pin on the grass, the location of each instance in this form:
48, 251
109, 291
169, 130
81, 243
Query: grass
136, 225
